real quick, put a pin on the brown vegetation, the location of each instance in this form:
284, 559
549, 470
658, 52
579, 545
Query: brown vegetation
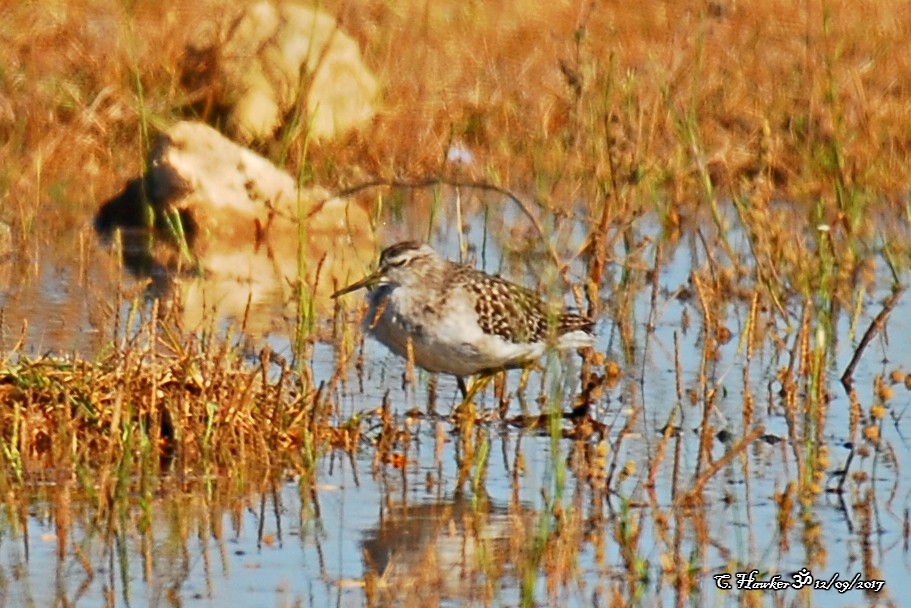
811, 97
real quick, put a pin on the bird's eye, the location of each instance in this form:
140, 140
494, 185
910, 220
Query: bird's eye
395, 263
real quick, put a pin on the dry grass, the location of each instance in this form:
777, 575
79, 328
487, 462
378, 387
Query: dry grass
809, 97
666, 109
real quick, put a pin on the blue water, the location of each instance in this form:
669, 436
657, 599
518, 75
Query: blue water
312, 546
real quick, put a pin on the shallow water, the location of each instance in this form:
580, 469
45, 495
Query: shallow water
285, 543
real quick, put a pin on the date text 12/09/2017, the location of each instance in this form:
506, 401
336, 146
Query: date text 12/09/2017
800, 579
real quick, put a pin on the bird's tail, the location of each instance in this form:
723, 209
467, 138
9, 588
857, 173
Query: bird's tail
575, 331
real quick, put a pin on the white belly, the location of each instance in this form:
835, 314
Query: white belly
451, 343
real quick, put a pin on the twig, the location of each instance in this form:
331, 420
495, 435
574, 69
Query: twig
716, 466
457, 183
847, 378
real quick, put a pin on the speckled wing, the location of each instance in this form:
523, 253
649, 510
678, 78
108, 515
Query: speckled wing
506, 310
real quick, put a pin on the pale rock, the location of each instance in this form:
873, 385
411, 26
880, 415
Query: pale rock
254, 233
260, 58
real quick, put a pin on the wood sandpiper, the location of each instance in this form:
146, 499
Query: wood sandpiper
454, 319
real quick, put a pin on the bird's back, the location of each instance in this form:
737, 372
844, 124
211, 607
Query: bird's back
512, 312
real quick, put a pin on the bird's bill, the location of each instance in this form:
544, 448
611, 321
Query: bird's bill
369, 281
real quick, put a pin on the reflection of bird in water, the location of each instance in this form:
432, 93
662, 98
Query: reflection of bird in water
442, 551
454, 319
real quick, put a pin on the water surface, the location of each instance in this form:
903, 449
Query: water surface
415, 532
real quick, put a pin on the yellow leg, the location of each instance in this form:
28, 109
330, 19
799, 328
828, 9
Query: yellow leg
477, 386
464, 412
